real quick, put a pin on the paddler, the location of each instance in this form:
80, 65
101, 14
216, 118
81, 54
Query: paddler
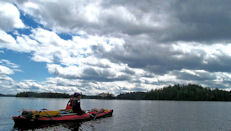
76, 108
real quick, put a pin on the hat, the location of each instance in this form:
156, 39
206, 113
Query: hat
76, 94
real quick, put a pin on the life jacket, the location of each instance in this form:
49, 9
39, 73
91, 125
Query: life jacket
70, 103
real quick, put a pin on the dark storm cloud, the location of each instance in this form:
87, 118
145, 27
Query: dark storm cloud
91, 74
206, 20
162, 59
104, 75
176, 20
198, 76
221, 63
153, 58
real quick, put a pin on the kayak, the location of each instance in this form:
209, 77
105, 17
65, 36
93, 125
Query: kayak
48, 117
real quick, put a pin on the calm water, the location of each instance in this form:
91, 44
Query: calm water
129, 115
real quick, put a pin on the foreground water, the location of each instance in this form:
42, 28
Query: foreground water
129, 115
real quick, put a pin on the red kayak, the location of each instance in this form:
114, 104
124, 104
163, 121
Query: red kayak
37, 118
27, 117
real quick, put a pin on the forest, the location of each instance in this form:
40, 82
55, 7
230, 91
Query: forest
43, 95
190, 92
6, 95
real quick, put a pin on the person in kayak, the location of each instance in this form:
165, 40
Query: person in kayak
76, 108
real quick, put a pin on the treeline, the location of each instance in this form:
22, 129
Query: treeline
132, 96
63, 95
8, 95
109, 96
43, 95
190, 92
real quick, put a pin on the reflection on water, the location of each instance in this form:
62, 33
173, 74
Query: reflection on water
72, 126
63, 126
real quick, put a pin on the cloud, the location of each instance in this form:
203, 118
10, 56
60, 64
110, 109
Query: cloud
8, 63
10, 17
67, 52
162, 21
21, 43
161, 59
200, 21
6, 39
6, 84
95, 17
87, 73
120, 46
77, 16
8, 68
196, 75
10, 86
5, 70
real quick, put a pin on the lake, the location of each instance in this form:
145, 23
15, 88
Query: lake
128, 115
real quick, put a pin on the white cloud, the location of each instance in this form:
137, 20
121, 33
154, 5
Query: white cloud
67, 52
5, 70
70, 71
10, 17
7, 84
213, 50
22, 43
8, 68
9, 64
6, 39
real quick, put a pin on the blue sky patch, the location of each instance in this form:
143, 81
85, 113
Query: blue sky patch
65, 36
31, 70
28, 20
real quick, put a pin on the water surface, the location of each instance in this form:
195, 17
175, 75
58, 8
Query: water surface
129, 115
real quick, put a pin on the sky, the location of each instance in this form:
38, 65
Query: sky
113, 46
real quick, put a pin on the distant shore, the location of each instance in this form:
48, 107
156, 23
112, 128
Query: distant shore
7, 95
190, 92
